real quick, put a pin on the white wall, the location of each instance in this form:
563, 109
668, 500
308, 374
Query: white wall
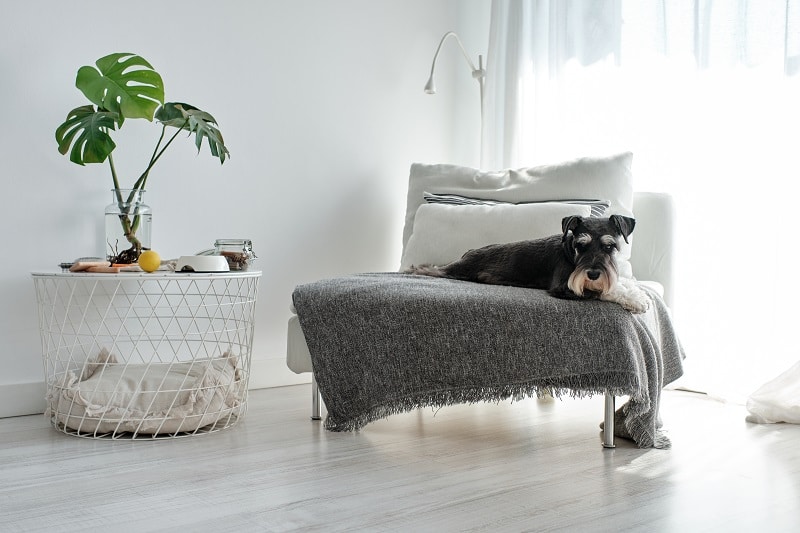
322, 108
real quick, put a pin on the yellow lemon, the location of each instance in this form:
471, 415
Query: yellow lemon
149, 261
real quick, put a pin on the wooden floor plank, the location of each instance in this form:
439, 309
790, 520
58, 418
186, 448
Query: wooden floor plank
512, 466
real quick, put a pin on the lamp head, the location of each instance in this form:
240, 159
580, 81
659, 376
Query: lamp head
430, 88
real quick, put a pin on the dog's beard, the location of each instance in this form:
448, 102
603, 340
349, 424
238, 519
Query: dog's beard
579, 282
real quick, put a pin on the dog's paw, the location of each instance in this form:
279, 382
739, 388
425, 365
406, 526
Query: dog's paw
630, 297
636, 302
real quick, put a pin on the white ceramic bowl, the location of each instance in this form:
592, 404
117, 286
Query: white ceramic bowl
202, 263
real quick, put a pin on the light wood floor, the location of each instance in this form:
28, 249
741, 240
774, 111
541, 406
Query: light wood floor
523, 466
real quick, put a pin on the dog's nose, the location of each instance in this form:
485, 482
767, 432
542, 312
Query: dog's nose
593, 274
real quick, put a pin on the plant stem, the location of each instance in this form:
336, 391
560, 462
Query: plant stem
113, 171
140, 183
156, 156
115, 179
129, 229
153, 157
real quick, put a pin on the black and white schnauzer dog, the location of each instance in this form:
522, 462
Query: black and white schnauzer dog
578, 264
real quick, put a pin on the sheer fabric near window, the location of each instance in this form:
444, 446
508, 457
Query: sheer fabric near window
706, 95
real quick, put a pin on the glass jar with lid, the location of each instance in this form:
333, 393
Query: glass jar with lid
238, 252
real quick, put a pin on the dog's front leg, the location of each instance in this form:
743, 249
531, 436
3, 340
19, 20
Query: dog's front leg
564, 292
559, 283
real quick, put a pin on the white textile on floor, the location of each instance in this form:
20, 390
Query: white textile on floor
777, 400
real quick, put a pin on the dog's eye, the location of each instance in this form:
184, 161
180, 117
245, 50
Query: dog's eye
608, 248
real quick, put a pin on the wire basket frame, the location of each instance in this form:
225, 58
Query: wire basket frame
150, 356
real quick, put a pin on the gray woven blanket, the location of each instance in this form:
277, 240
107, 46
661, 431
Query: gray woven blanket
388, 343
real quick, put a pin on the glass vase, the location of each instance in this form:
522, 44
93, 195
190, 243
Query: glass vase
128, 222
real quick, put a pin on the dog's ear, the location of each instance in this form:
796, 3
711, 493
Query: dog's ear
568, 227
623, 224
570, 223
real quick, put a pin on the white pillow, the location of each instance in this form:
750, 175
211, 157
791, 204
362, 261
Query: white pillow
609, 178
443, 233
112, 397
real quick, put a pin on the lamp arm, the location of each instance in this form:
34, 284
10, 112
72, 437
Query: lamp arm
478, 74
460, 45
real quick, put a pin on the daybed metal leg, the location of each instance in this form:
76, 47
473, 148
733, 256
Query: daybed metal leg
315, 399
608, 423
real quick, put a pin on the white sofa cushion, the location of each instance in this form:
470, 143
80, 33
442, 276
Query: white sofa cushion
443, 233
609, 178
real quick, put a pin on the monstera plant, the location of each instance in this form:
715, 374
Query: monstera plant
125, 86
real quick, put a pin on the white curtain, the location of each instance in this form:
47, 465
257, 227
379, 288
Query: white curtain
706, 95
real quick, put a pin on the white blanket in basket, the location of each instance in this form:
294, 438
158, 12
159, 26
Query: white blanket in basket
151, 398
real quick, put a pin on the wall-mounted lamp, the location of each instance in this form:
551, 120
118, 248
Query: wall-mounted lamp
477, 73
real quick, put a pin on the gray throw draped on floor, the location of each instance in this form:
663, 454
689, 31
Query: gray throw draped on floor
387, 343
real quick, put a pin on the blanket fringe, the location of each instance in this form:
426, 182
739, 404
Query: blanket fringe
466, 395
628, 425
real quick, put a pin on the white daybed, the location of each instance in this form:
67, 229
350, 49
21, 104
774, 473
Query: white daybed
608, 179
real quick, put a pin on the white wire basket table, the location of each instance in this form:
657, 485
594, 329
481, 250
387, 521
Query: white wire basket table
146, 356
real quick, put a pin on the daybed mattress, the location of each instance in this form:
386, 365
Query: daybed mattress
387, 343
298, 358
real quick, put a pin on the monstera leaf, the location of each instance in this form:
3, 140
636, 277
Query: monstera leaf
122, 83
124, 86
93, 143
202, 124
